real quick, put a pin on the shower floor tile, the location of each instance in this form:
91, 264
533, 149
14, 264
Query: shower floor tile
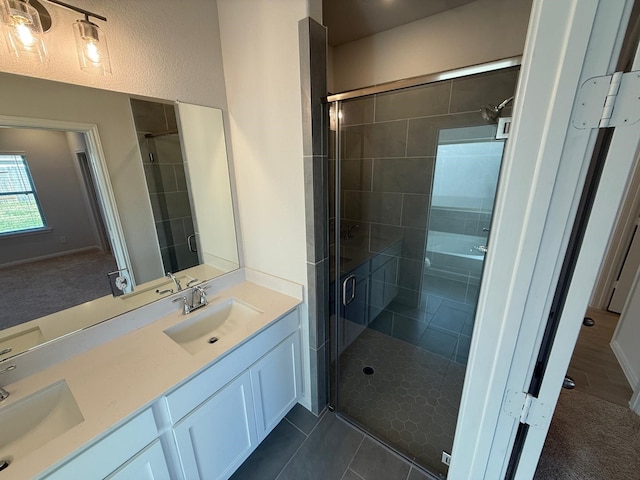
411, 400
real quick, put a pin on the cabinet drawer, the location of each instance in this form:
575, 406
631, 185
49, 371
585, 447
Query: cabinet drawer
196, 390
109, 453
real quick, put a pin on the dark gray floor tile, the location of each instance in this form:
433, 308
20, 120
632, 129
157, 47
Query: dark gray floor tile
383, 323
351, 475
302, 418
268, 460
449, 318
408, 330
374, 462
326, 453
439, 342
416, 474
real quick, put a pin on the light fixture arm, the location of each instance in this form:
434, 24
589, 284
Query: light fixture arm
86, 13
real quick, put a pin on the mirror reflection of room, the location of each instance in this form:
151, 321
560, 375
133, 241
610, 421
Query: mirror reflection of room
100, 204
55, 248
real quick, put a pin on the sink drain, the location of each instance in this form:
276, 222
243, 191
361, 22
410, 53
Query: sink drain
213, 339
4, 464
368, 370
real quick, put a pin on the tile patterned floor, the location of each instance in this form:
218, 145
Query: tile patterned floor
305, 447
411, 400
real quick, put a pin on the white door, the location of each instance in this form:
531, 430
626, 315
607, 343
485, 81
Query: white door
627, 274
546, 163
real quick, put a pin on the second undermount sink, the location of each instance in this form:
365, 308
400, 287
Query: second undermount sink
33, 421
205, 327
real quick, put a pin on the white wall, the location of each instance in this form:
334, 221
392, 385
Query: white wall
479, 32
261, 62
59, 192
158, 48
625, 339
262, 72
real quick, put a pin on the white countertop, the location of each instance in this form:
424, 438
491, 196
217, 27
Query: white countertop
117, 379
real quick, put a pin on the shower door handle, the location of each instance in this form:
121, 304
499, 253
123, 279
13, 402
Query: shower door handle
345, 283
191, 243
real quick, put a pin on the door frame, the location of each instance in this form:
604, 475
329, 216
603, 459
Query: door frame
100, 173
546, 163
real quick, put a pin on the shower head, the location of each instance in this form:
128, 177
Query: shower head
490, 112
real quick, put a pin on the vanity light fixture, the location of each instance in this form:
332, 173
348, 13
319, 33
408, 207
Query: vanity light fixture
24, 31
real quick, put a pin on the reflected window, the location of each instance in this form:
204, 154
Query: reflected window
19, 206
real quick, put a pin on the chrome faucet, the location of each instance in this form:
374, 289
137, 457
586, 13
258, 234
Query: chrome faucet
176, 282
198, 299
3, 393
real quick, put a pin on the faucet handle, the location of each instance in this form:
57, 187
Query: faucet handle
185, 304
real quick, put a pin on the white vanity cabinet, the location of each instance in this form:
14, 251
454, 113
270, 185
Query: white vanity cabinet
216, 437
221, 415
149, 464
131, 452
207, 426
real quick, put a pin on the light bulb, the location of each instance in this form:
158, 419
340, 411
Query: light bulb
25, 37
93, 52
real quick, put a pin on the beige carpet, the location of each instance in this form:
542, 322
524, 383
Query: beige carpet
40, 288
591, 439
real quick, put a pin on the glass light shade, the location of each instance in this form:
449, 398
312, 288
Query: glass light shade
93, 51
23, 30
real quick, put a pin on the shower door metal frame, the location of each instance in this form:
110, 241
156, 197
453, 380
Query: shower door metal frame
335, 101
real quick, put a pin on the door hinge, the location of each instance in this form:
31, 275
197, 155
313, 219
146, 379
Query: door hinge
446, 458
527, 409
608, 101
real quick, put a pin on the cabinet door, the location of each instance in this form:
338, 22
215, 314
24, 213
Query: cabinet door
216, 437
149, 464
276, 382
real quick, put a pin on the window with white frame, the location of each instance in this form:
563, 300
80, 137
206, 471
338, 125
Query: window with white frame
19, 206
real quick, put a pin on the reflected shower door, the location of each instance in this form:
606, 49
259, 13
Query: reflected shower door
414, 173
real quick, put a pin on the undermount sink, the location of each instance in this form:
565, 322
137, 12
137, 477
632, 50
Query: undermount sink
205, 327
35, 420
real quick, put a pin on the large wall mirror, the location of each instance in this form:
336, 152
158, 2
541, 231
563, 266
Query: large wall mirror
101, 197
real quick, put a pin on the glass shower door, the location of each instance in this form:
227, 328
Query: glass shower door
415, 177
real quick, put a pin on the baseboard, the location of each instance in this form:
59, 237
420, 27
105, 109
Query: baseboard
632, 377
91, 248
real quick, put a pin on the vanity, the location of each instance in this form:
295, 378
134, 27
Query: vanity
182, 396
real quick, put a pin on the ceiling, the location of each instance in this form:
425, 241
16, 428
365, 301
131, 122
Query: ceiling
349, 20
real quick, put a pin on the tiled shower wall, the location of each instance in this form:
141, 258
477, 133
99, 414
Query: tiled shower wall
313, 80
388, 149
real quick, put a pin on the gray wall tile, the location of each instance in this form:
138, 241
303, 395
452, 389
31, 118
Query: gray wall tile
356, 174
319, 378
315, 177
422, 137
404, 175
414, 245
318, 302
373, 207
357, 111
414, 102
415, 211
471, 93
